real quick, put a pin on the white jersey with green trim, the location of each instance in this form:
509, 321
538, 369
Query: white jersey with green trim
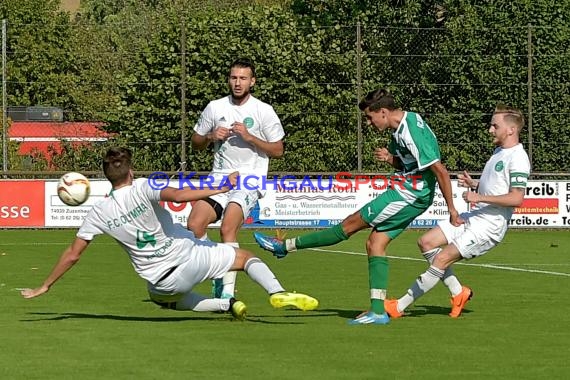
234, 154
415, 144
506, 169
133, 216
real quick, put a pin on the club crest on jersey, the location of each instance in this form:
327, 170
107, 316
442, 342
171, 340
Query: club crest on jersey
144, 238
248, 121
499, 166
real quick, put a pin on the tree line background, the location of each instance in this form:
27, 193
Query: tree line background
147, 68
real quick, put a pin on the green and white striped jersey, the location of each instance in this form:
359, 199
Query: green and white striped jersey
415, 144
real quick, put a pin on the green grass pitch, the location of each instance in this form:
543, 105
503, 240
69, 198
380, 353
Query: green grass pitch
97, 322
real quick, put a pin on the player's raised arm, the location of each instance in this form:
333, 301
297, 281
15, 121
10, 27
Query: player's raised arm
171, 194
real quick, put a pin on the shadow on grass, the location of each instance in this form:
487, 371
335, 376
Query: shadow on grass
421, 310
416, 311
64, 316
347, 314
39, 317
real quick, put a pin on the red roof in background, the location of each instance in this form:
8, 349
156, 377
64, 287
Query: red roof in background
40, 136
24, 129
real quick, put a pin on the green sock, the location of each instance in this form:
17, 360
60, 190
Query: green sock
378, 280
322, 238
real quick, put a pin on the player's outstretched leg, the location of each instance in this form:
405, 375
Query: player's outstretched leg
197, 302
326, 237
271, 244
259, 272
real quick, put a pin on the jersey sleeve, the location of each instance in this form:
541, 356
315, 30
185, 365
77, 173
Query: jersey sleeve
90, 227
424, 146
271, 128
519, 169
147, 190
205, 123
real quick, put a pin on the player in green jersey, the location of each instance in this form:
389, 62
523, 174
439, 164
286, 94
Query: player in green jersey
414, 153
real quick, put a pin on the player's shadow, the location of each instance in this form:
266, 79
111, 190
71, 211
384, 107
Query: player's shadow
65, 316
295, 313
343, 313
416, 311
40, 317
421, 310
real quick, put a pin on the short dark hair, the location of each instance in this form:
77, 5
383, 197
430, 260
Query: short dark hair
116, 164
244, 63
377, 99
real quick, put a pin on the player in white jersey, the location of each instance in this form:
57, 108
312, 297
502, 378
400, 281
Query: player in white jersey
414, 153
502, 187
245, 133
165, 254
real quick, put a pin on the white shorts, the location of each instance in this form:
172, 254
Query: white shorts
474, 238
245, 198
207, 260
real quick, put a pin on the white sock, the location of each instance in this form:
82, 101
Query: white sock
449, 278
259, 272
290, 245
452, 282
204, 238
197, 302
229, 279
423, 284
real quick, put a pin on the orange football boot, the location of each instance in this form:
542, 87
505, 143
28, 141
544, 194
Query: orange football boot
391, 307
459, 301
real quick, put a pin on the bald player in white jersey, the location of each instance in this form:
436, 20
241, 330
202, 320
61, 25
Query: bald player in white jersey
165, 254
245, 132
500, 189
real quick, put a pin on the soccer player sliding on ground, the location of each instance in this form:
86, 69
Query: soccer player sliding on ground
165, 254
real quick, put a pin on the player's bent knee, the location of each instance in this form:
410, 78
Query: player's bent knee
242, 256
424, 244
228, 233
196, 228
444, 259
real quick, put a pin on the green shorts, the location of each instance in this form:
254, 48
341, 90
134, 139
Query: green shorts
390, 213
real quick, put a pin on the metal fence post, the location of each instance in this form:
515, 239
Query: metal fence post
183, 90
529, 92
359, 94
4, 105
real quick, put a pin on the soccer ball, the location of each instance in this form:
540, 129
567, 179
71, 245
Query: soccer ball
73, 189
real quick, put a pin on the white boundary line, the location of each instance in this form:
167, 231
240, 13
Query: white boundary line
490, 266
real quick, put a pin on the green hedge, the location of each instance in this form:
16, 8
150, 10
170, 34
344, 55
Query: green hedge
453, 62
